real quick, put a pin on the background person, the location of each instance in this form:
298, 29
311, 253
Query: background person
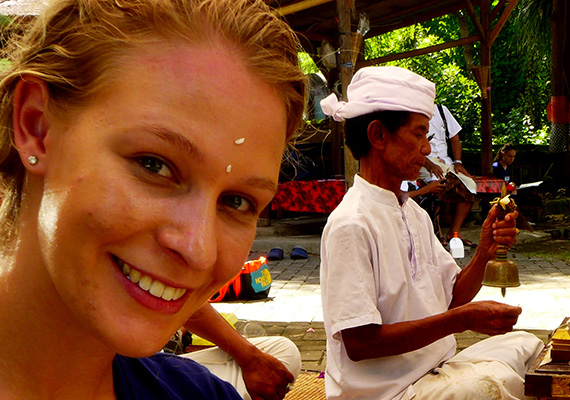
127, 201
502, 163
392, 295
439, 163
259, 368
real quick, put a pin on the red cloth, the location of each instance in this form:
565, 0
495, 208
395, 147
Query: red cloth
491, 185
320, 196
323, 196
557, 110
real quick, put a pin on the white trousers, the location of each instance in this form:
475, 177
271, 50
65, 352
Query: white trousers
492, 369
223, 366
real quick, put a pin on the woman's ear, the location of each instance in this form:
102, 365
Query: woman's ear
377, 134
29, 121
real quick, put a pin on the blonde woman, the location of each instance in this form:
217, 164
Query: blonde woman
130, 194
502, 164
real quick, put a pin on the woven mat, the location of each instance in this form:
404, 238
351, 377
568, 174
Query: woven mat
308, 386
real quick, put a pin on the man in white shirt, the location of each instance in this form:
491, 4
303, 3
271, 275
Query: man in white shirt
439, 163
392, 295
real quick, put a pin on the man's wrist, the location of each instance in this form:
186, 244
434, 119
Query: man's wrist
457, 162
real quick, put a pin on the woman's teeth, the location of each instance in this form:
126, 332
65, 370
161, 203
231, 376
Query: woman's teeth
154, 287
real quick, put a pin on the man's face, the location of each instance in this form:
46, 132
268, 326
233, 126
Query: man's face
407, 148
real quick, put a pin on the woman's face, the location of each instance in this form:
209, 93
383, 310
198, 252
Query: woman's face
152, 191
509, 156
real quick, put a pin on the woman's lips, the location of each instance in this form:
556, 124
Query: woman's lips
153, 286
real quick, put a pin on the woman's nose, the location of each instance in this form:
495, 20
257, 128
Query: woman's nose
189, 233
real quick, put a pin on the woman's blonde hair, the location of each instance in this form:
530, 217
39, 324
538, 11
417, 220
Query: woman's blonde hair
74, 44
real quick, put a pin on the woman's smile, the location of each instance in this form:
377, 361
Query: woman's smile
153, 286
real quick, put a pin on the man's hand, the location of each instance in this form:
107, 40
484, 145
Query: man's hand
435, 187
489, 317
460, 168
265, 376
494, 231
433, 168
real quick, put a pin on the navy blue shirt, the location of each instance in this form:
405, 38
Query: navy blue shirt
500, 172
166, 376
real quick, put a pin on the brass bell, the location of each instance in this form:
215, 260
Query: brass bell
501, 272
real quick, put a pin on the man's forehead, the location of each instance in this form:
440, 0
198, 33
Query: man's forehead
418, 121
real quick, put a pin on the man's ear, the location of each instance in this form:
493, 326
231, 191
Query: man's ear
29, 121
377, 134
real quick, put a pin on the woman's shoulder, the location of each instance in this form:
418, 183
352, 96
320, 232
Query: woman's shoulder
167, 376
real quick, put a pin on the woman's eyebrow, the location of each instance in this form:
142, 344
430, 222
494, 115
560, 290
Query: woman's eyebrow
176, 140
262, 183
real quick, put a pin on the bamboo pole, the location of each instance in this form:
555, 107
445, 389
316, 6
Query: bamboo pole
346, 72
486, 120
300, 6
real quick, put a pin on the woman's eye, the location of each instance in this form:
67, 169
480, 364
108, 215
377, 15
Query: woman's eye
238, 203
156, 166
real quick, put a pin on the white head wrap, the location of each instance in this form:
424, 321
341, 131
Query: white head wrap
382, 89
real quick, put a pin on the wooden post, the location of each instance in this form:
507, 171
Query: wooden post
346, 72
560, 124
486, 121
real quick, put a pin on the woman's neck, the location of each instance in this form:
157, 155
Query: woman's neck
503, 164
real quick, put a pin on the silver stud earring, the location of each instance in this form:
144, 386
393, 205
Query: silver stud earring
33, 160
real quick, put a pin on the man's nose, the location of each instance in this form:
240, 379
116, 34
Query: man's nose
189, 233
425, 147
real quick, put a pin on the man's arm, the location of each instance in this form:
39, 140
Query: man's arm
493, 232
265, 376
432, 187
375, 341
456, 148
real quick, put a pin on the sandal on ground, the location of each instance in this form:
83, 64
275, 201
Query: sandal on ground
275, 254
467, 242
299, 253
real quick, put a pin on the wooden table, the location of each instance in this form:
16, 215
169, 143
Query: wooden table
548, 381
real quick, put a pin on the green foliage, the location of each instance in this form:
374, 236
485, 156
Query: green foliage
520, 78
521, 81
533, 33
4, 20
307, 64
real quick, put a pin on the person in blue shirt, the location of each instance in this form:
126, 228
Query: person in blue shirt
129, 190
502, 168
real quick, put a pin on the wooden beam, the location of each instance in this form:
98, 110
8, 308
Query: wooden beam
346, 73
395, 21
476, 21
498, 8
502, 20
300, 6
486, 115
418, 52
